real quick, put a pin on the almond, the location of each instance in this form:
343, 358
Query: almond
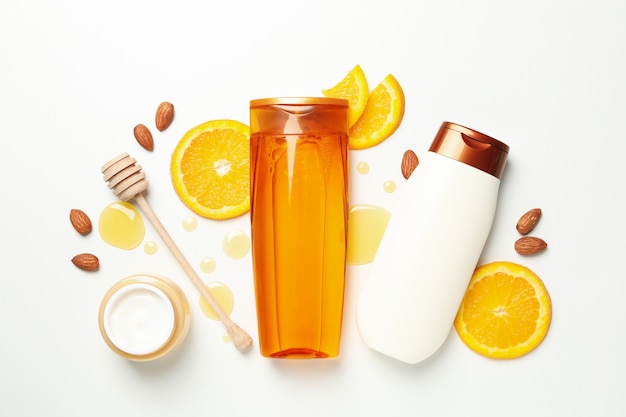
529, 245
164, 115
86, 261
528, 221
144, 137
409, 163
80, 221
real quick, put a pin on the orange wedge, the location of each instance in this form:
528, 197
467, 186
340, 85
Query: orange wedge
210, 169
381, 117
506, 311
354, 89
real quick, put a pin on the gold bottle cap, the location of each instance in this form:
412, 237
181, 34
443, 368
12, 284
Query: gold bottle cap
471, 147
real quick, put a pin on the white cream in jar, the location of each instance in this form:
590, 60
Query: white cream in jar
143, 317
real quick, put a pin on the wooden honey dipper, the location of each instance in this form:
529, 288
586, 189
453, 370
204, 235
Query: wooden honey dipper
127, 181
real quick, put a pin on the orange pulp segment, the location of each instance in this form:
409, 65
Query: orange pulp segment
353, 88
506, 311
210, 169
382, 115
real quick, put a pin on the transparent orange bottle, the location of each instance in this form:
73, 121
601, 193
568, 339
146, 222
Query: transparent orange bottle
299, 209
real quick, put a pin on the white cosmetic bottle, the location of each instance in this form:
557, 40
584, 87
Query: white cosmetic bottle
432, 244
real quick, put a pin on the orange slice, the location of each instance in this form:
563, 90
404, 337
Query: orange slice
210, 169
381, 117
354, 89
506, 311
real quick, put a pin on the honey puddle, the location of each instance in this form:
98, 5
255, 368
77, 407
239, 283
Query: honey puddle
366, 226
236, 244
207, 265
121, 225
224, 297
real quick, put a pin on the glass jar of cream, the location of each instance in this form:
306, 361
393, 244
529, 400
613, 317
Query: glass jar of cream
143, 317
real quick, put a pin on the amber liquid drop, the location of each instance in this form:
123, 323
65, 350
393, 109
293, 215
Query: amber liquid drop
366, 226
224, 297
236, 244
121, 225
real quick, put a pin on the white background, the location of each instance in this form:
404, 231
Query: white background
547, 77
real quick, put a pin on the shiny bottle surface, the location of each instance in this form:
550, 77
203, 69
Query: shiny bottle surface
299, 206
431, 246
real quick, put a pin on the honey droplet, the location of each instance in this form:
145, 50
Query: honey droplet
121, 225
226, 337
236, 244
150, 247
224, 297
190, 224
363, 168
366, 226
389, 186
207, 265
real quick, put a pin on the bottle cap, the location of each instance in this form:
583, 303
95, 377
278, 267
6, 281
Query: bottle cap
471, 147
298, 116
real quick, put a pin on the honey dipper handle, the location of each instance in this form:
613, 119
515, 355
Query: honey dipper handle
239, 337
